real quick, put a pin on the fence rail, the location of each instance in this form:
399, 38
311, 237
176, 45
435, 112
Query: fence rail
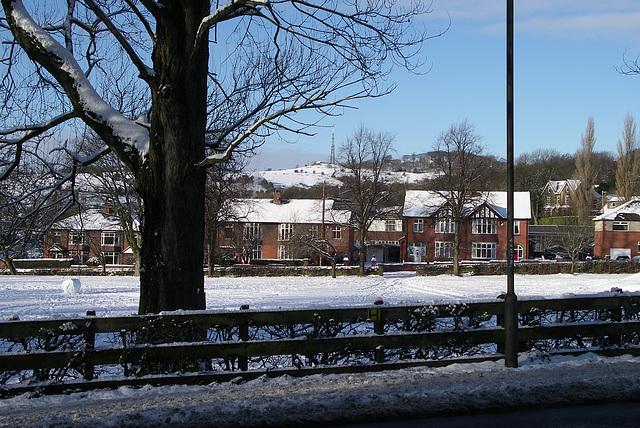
49, 355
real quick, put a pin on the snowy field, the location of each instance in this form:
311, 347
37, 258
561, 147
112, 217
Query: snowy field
326, 400
32, 297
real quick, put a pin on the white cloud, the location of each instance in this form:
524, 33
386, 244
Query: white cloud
575, 19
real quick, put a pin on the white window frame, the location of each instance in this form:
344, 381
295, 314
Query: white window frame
336, 232
444, 250
110, 239
390, 226
285, 231
483, 250
77, 238
252, 231
620, 226
445, 225
256, 252
519, 251
111, 257
284, 252
418, 225
516, 227
314, 230
484, 226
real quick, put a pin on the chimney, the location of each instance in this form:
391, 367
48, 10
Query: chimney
277, 196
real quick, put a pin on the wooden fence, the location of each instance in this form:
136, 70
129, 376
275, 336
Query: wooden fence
199, 347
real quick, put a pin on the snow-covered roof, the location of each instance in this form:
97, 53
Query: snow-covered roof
629, 211
93, 219
558, 185
426, 203
292, 211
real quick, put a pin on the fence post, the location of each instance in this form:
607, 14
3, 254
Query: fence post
243, 335
375, 315
90, 343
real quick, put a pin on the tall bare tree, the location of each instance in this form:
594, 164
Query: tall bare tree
364, 156
460, 160
628, 162
215, 80
585, 173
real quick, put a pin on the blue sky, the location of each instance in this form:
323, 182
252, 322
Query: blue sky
566, 53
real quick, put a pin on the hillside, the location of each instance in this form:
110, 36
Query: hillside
317, 173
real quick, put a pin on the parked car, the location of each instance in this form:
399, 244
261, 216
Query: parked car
622, 257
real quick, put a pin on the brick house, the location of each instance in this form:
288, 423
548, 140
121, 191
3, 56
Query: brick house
617, 231
429, 229
264, 228
384, 235
91, 233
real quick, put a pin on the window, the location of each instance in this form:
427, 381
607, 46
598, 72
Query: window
390, 226
81, 257
110, 239
638, 247
444, 249
483, 250
484, 221
336, 232
519, 252
485, 226
57, 255
256, 253
516, 227
567, 200
252, 231
621, 225
445, 225
111, 258
548, 200
418, 225
228, 231
77, 238
285, 231
314, 230
284, 252
56, 237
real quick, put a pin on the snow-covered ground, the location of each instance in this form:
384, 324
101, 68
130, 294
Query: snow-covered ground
311, 175
328, 399
31, 297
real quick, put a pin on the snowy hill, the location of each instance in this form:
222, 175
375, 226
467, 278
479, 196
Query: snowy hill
317, 173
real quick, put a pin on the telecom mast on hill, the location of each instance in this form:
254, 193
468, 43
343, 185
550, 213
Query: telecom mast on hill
332, 158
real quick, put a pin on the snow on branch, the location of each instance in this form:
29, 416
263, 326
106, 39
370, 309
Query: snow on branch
229, 10
42, 48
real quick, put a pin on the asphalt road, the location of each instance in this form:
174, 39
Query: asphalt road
595, 415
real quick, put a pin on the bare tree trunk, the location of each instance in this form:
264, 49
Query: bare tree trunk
172, 186
456, 250
9, 262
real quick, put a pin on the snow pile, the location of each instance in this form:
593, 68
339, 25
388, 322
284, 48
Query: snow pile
71, 286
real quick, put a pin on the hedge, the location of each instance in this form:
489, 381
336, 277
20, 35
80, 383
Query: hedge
531, 268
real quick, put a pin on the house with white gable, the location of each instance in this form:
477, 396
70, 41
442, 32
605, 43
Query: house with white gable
264, 228
617, 231
429, 228
93, 233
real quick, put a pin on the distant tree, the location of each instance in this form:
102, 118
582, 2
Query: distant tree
364, 156
319, 245
575, 240
460, 160
533, 170
585, 173
628, 167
